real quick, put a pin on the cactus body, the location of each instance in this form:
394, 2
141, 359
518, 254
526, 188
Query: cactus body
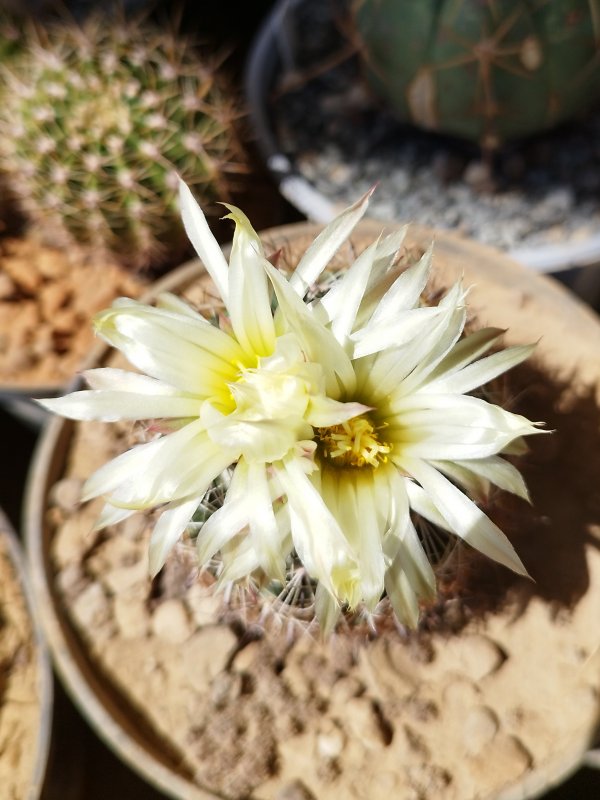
96, 122
485, 70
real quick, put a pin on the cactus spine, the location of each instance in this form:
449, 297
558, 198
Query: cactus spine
96, 122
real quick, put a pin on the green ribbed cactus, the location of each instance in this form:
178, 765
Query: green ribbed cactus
485, 70
96, 122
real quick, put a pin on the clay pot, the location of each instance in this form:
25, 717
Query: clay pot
25, 678
498, 699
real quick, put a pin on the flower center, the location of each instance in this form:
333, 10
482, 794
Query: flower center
354, 443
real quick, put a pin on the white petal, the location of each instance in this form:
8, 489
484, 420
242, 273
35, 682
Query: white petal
402, 595
124, 381
476, 486
173, 467
239, 561
188, 326
175, 304
132, 322
396, 494
321, 251
496, 470
108, 406
464, 517
168, 529
323, 411
261, 440
317, 342
465, 351
249, 303
416, 564
164, 355
450, 427
264, 530
395, 371
410, 578
204, 242
480, 372
227, 521
370, 555
405, 292
318, 539
110, 515
442, 340
395, 332
347, 294
388, 250
327, 610
382, 274
121, 469
423, 504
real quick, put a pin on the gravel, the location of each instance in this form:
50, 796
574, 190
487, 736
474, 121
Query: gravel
542, 191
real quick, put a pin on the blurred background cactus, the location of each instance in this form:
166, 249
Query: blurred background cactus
10, 36
95, 122
485, 70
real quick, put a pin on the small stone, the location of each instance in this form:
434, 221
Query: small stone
206, 654
133, 527
225, 688
93, 292
66, 321
429, 779
497, 766
480, 727
461, 694
447, 166
330, 740
473, 656
7, 287
295, 790
51, 263
71, 580
131, 616
421, 710
248, 656
69, 542
27, 278
364, 723
170, 622
345, 688
91, 607
122, 578
66, 494
52, 297
478, 176
42, 344
204, 604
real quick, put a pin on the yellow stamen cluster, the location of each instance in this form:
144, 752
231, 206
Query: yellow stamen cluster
354, 443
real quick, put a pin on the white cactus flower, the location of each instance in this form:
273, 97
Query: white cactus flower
339, 415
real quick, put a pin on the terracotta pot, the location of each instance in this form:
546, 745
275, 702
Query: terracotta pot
25, 678
500, 704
